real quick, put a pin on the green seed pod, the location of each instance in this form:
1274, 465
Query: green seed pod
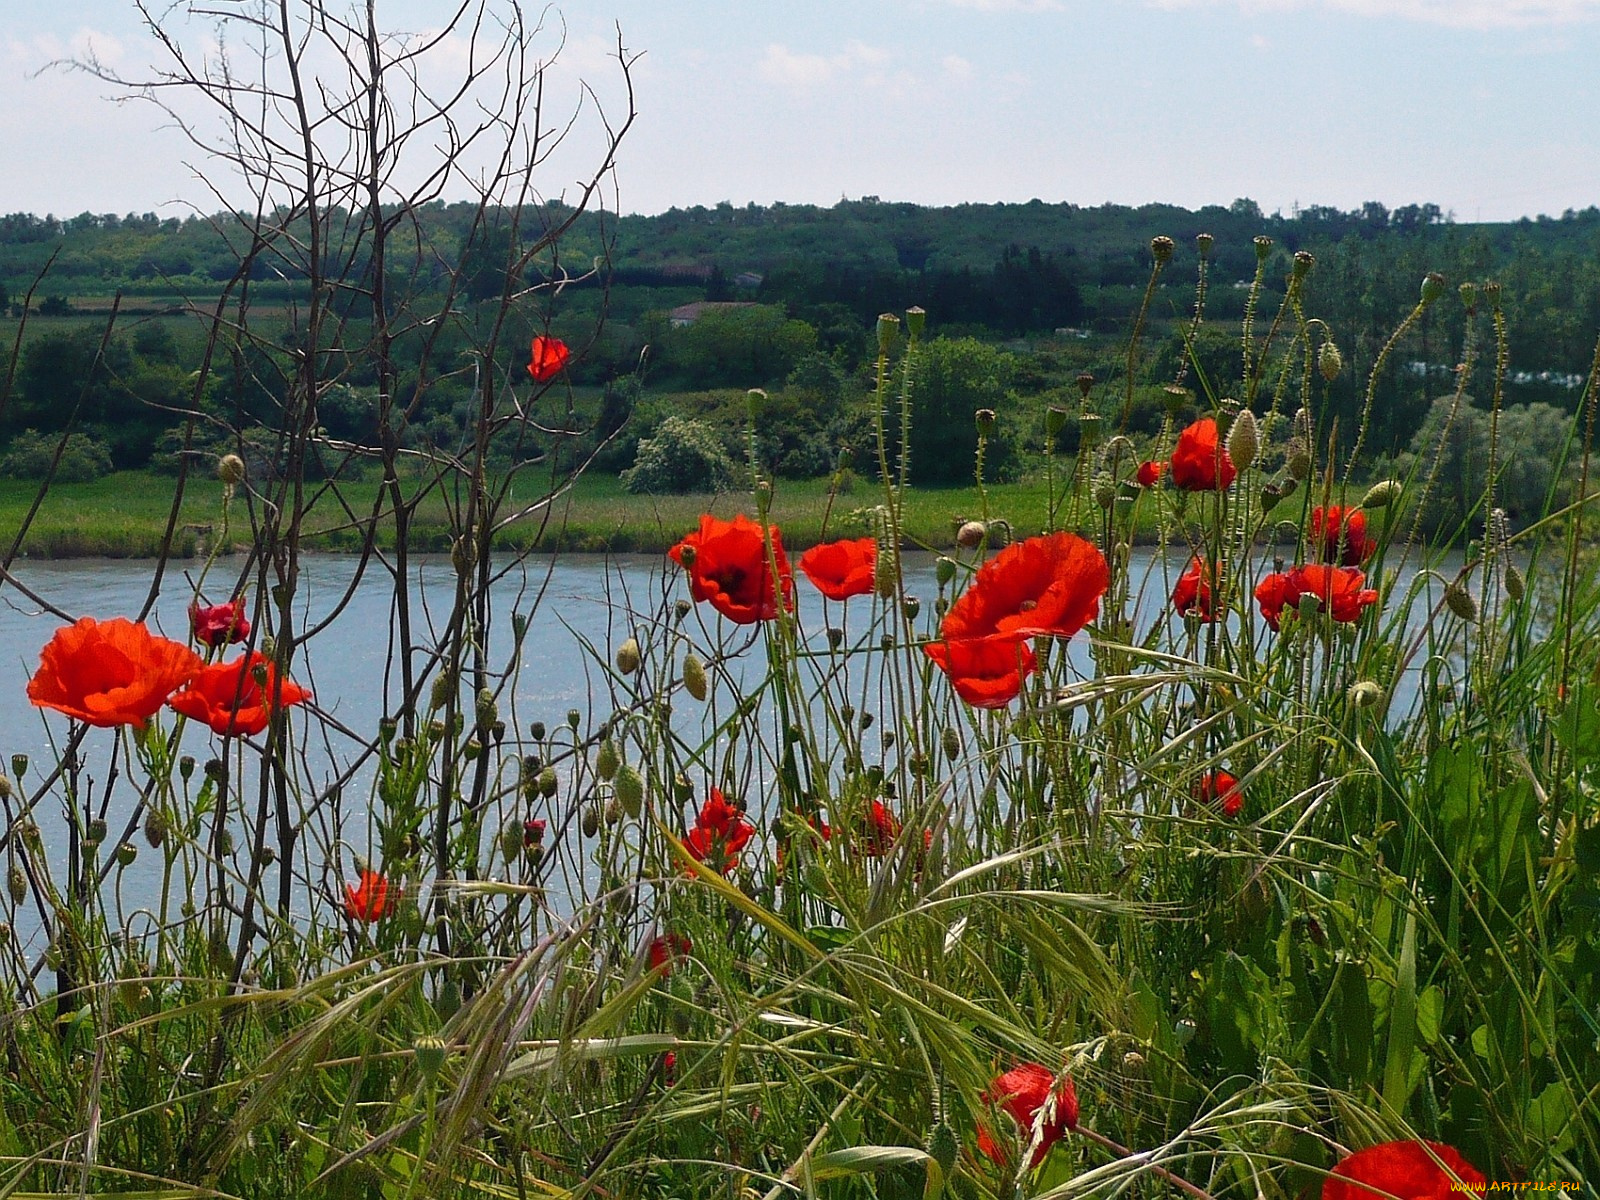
17, 884
1243, 440
915, 319
429, 1053
1432, 287
472, 749
95, 833
630, 790
1175, 399
1299, 460
1263, 246
1203, 243
1271, 496
911, 606
511, 839
1469, 296
1491, 293
1460, 601
126, 854
695, 681
628, 656
607, 760
444, 686
984, 418
1161, 248
1089, 430
944, 569
486, 710
19, 765
1304, 260
1055, 420
888, 332
1382, 494
1105, 490
574, 718
548, 783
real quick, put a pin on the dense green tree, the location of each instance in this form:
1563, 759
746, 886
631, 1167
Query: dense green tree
951, 380
744, 346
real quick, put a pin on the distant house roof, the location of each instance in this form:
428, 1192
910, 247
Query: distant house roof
688, 314
748, 279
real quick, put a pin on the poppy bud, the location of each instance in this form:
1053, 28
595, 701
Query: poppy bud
1085, 382
1516, 585
1364, 694
970, 535
574, 718
682, 608
628, 656
17, 884
951, 741
1298, 462
866, 720
694, 677
436, 729
486, 710
883, 576
613, 811
915, 319
463, 555
155, 827
1432, 287
126, 853
19, 765
686, 555
5, 787
886, 642
591, 821
1382, 494
630, 789
1460, 601
1271, 495
1263, 246
1243, 440
1329, 361
519, 627
1105, 490
1304, 260
942, 1147
1161, 248
1055, 420
30, 833
607, 760
763, 491
95, 833
984, 418
472, 749
230, 469
268, 856
888, 331
944, 569
548, 782
533, 831
439, 694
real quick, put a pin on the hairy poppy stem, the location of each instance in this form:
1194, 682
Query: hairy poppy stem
1120, 1151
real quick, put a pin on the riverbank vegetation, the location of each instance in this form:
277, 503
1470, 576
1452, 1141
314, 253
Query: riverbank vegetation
1010, 885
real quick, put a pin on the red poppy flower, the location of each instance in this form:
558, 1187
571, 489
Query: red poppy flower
368, 902
1200, 461
236, 698
1406, 1170
1022, 1092
667, 949
879, 830
1219, 786
549, 356
533, 832
1149, 473
719, 833
669, 1068
109, 673
1339, 535
842, 569
1340, 592
219, 624
1041, 587
728, 566
1194, 593
986, 672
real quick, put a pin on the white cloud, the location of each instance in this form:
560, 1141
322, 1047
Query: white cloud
804, 72
998, 6
956, 67
1456, 14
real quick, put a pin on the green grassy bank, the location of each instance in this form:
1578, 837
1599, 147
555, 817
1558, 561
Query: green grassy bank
126, 515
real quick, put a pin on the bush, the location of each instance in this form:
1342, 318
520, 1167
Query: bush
31, 453
685, 455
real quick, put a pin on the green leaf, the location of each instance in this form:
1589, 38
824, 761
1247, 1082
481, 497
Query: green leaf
869, 1160
1402, 1021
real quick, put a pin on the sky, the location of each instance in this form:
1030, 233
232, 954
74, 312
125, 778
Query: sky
1488, 108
